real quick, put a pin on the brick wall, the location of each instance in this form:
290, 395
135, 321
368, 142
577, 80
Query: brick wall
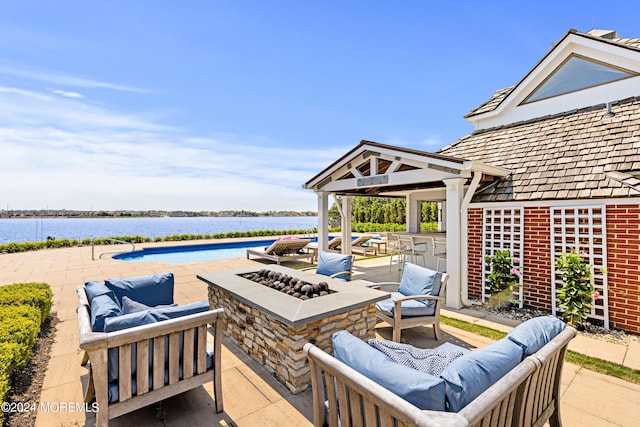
474, 218
537, 258
623, 261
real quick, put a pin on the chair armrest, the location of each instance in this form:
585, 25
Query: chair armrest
416, 297
97, 340
341, 273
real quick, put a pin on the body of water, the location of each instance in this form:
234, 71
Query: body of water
38, 229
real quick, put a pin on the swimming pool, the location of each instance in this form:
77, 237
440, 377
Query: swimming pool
193, 253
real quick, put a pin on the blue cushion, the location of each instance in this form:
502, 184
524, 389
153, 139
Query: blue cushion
418, 280
94, 289
131, 320
535, 333
113, 383
146, 317
132, 306
410, 308
447, 346
420, 389
103, 307
156, 289
124, 322
175, 311
330, 263
470, 375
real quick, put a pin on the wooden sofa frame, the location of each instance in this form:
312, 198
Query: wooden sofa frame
528, 395
97, 344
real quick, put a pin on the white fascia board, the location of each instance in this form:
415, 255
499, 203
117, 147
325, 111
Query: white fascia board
510, 111
336, 167
485, 169
396, 178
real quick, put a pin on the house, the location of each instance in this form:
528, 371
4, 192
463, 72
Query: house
553, 164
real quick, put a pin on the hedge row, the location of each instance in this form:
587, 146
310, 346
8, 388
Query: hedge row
23, 309
14, 247
374, 227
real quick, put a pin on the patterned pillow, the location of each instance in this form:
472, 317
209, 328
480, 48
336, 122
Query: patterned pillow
432, 362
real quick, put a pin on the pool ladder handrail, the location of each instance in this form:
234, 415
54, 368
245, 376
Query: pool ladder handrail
133, 246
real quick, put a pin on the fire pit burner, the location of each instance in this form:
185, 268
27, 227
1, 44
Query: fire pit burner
287, 284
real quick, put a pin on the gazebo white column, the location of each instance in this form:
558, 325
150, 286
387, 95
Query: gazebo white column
413, 214
323, 220
455, 195
345, 224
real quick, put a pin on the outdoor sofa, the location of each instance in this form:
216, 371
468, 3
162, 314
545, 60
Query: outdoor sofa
512, 382
143, 348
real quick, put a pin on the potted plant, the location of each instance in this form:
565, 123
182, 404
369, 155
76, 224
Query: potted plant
502, 279
577, 293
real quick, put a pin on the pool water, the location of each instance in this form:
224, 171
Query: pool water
193, 253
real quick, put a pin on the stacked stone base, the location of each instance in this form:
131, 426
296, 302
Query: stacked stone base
278, 346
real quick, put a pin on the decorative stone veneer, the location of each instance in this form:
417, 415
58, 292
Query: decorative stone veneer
277, 346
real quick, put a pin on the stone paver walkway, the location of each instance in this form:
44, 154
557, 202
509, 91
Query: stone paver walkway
251, 396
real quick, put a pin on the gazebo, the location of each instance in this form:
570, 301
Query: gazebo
372, 169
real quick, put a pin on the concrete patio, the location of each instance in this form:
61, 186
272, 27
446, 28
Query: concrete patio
251, 395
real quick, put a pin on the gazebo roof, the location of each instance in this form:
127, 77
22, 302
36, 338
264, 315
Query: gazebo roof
374, 169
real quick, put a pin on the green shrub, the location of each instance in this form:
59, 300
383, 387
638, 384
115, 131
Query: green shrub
20, 324
35, 294
8, 359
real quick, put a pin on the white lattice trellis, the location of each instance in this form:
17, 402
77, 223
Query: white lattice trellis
583, 228
503, 228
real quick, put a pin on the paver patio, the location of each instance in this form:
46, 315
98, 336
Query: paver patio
251, 396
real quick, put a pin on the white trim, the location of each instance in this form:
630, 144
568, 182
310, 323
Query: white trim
503, 228
571, 227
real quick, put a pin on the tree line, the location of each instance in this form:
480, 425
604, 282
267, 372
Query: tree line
379, 210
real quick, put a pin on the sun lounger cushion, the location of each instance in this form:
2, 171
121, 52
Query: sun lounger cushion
422, 390
429, 361
469, 375
153, 290
535, 333
410, 308
417, 280
330, 263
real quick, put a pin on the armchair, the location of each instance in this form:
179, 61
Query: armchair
415, 301
143, 348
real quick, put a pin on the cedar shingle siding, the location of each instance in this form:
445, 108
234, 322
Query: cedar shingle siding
581, 154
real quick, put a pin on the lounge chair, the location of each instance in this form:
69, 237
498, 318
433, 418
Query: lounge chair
282, 250
333, 246
415, 301
361, 245
336, 266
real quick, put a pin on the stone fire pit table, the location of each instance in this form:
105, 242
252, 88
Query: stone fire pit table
272, 327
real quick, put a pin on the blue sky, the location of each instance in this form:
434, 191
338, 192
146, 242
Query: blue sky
214, 105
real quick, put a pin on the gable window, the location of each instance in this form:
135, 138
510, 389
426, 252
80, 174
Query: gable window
577, 73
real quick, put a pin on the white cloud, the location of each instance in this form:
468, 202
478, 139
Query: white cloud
65, 152
67, 93
50, 76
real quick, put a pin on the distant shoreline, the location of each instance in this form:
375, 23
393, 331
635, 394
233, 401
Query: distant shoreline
70, 214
